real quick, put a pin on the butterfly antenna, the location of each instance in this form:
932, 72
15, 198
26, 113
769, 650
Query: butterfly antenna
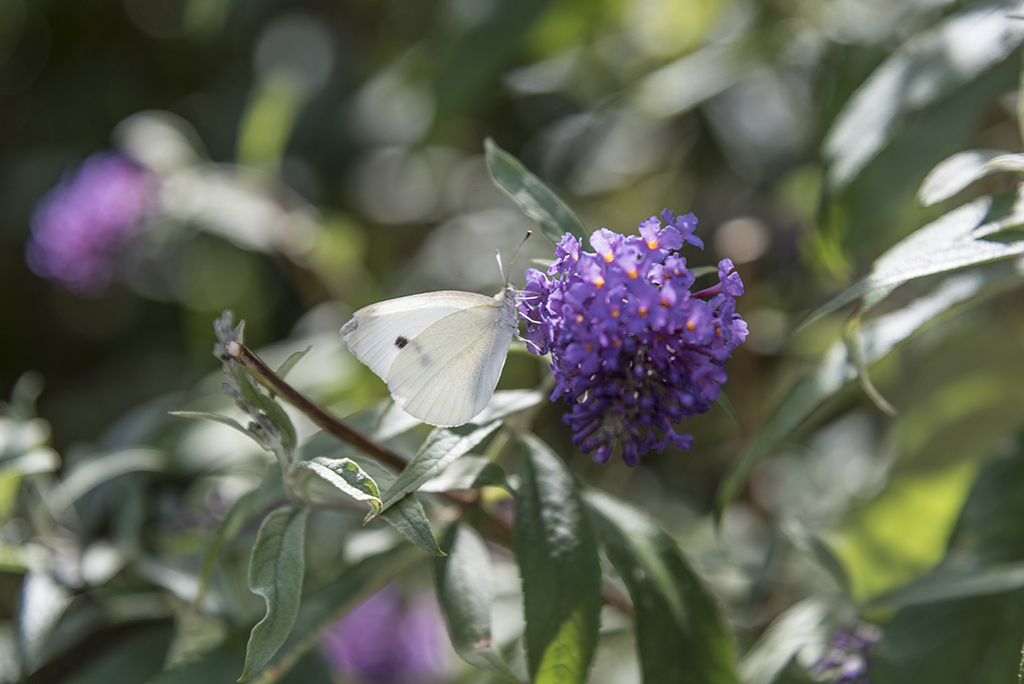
508, 275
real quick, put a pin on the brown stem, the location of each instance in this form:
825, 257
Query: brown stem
259, 370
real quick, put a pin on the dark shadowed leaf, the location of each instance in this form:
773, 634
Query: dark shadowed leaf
133, 661
465, 587
680, 634
558, 559
268, 492
535, 198
275, 572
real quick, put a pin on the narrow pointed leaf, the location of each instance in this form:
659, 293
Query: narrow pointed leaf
327, 604
215, 417
290, 362
269, 491
680, 634
465, 587
275, 572
954, 241
955, 173
536, 199
836, 370
408, 517
557, 553
441, 447
469, 472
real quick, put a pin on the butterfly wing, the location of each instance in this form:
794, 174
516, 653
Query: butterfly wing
376, 334
446, 374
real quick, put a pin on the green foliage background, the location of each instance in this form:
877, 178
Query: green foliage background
799, 132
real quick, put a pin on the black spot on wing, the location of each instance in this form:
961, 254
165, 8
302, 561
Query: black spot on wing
400, 342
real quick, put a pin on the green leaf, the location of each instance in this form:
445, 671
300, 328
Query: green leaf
469, 472
955, 584
465, 587
954, 174
801, 625
268, 492
275, 572
325, 605
918, 75
836, 370
106, 467
812, 545
291, 361
346, 476
558, 559
680, 634
215, 417
132, 661
408, 517
535, 198
955, 240
438, 451
268, 405
507, 402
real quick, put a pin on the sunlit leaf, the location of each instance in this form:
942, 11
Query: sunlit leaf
346, 476
469, 472
268, 492
439, 450
558, 560
954, 174
535, 198
43, 601
276, 571
921, 72
680, 634
799, 626
954, 241
465, 587
100, 469
506, 402
877, 339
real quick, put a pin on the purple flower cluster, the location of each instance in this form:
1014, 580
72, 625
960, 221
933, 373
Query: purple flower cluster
633, 351
388, 639
82, 225
848, 659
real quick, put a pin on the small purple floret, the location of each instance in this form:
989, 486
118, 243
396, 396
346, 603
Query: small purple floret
82, 225
848, 659
388, 639
633, 351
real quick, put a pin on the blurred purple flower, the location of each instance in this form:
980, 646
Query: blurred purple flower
848, 659
83, 224
388, 639
633, 351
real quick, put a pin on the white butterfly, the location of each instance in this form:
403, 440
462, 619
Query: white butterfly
441, 353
